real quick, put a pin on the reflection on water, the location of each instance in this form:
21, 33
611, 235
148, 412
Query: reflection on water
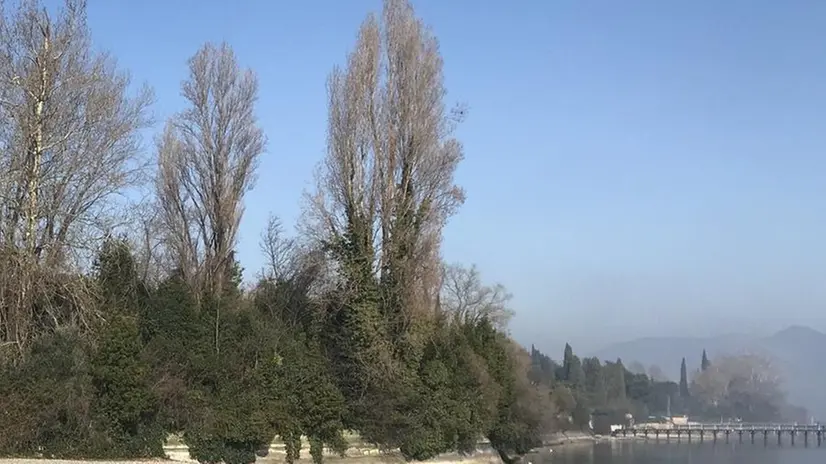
636, 452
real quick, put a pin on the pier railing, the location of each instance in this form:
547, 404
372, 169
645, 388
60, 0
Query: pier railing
735, 426
725, 430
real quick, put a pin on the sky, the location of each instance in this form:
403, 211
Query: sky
633, 168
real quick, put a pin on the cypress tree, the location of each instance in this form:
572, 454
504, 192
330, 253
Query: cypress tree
705, 363
619, 379
567, 362
683, 380
576, 375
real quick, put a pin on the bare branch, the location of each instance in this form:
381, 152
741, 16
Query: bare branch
70, 145
69, 151
467, 299
386, 185
281, 251
207, 159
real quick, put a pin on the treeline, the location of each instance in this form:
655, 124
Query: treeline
743, 387
124, 321
278, 361
581, 387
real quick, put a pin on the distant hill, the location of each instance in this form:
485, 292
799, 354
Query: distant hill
798, 351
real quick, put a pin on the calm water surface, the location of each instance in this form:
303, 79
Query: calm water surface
628, 452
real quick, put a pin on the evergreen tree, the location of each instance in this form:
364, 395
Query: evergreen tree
615, 385
705, 363
595, 382
576, 376
683, 380
543, 369
572, 372
567, 361
621, 379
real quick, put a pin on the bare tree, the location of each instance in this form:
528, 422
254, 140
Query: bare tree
467, 299
386, 184
71, 144
742, 385
146, 235
69, 149
281, 251
656, 374
207, 159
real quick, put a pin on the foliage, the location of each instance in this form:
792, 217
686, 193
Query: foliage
127, 407
524, 412
46, 399
231, 416
70, 399
684, 380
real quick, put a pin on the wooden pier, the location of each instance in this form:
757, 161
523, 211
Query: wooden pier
791, 433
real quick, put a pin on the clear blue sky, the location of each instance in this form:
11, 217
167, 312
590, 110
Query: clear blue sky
632, 167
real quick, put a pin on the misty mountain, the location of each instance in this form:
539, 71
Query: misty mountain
796, 351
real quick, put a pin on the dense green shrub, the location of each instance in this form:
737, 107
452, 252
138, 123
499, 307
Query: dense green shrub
124, 403
68, 399
46, 399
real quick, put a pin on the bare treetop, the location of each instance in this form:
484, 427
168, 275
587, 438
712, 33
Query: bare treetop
468, 300
207, 159
280, 251
70, 135
391, 159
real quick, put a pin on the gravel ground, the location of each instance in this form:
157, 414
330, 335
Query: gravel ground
364, 460
448, 459
63, 461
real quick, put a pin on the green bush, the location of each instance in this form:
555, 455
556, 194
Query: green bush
69, 399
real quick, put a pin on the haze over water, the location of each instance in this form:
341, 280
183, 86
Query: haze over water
684, 453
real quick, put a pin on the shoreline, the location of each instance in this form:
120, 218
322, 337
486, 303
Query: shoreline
477, 458
180, 455
566, 440
356, 455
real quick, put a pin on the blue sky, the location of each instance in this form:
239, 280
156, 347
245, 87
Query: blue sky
633, 168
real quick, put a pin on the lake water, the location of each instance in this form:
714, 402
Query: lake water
636, 452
